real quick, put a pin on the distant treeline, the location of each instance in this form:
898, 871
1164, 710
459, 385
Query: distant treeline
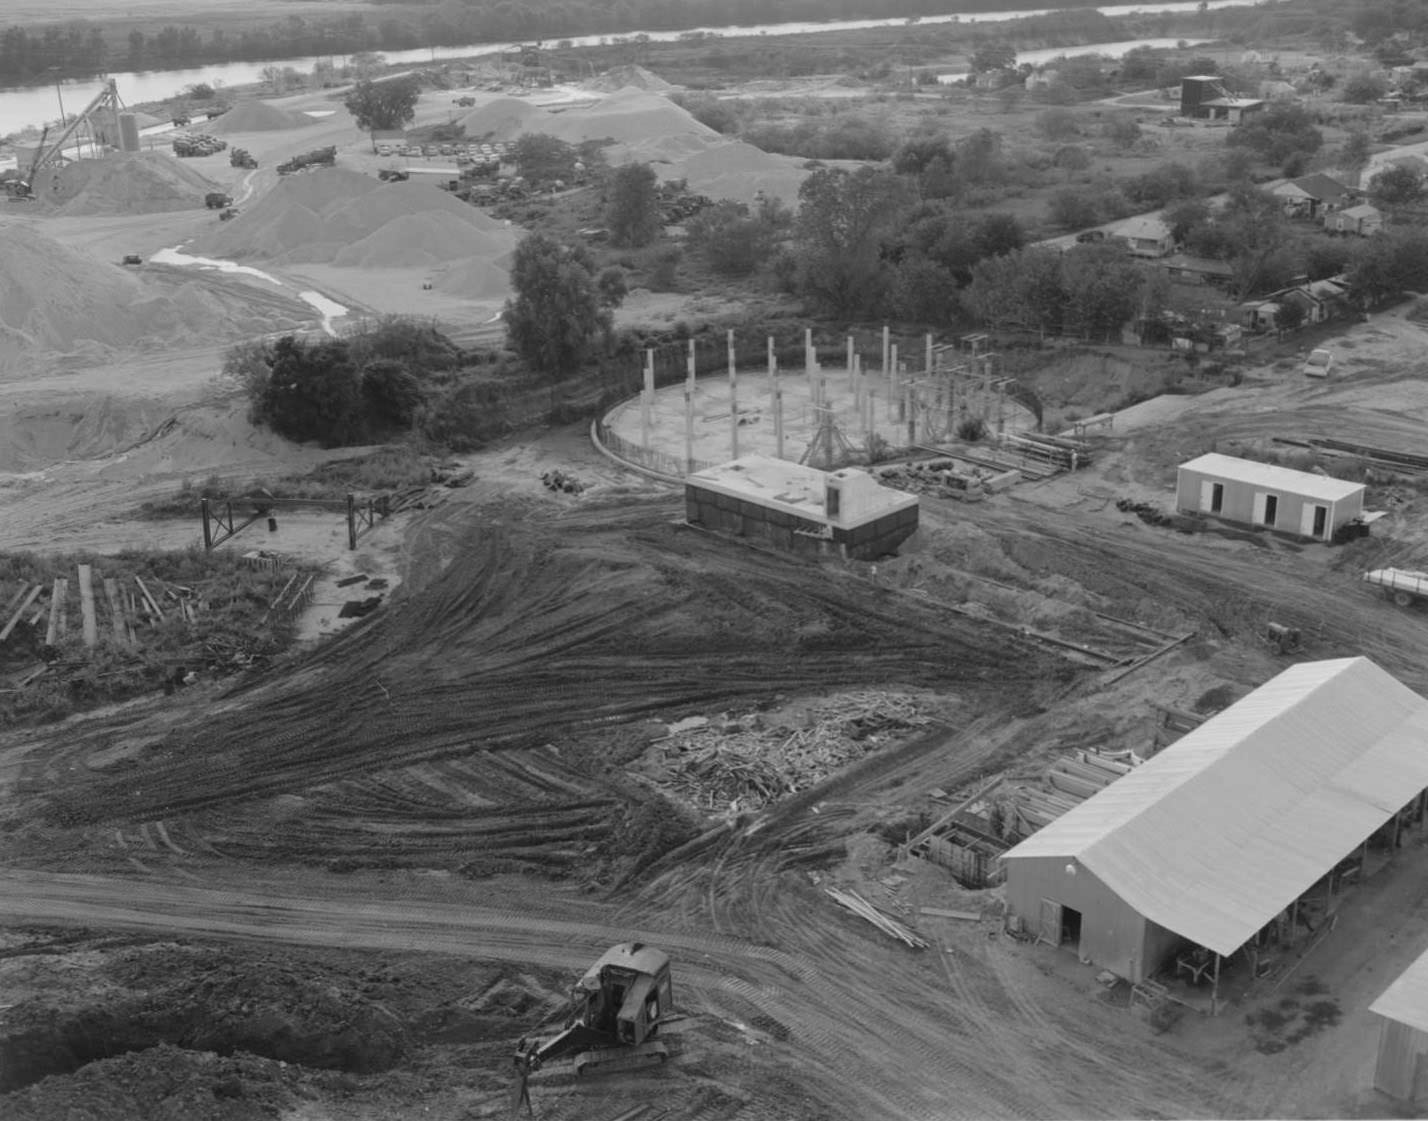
81, 48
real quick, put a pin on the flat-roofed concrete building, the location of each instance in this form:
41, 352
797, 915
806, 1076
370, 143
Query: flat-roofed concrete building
800, 508
1266, 496
1402, 1068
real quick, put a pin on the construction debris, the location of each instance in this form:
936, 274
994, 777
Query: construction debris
863, 909
939, 478
560, 482
736, 766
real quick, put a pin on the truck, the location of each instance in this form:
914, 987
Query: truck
1401, 585
217, 200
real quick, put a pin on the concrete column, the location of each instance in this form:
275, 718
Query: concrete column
886, 369
691, 365
928, 361
688, 430
649, 371
646, 403
733, 402
895, 386
778, 419
849, 362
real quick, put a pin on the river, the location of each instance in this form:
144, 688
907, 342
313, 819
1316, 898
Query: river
35, 105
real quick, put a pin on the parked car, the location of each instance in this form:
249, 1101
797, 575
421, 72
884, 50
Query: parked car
1086, 237
1319, 363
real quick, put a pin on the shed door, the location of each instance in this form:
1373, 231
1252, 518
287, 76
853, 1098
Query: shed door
1313, 519
1207, 496
1259, 500
1050, 930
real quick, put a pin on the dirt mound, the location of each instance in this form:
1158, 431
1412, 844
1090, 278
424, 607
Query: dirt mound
475, 279
136, 183
502, 119
641, 123
348, 219
56, 300
164, 1083
629, 77
252, 115
419, 239
738, 171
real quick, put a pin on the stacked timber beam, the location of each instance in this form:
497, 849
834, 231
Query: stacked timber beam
888, 925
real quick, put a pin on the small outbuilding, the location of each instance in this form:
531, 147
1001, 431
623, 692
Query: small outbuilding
1363, 220
1216, 845
1265, 496
800, 508
1402, 1068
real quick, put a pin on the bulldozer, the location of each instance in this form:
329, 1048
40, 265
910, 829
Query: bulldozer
615, 1011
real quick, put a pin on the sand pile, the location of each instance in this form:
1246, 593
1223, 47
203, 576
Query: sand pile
135, 183
629, 77
351, 220
252, 115
476, 278
738, 171
503, 119
644, 126
55, 300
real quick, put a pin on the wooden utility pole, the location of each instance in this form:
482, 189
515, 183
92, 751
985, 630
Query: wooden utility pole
116, 611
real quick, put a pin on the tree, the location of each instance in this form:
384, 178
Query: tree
922, 291
1022, 290
843, 218
1071, 208
383, 105
632, 212
555, 317
1277, 133
1364, 88
613, 287
993, 55
1396, 185
1253, 225
1071, 158
1102, 287
313, 393
1290, 316
735, 242
391, 392
1355, 151
1184, 215
541, 158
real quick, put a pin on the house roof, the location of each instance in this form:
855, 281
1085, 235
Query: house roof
1221, 831
1323, 187
1290, 189
1143, 226
1268, 475
1363, 210
1406, 1000
1234, 102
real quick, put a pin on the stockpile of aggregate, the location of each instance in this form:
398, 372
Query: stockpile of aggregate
629, 77
252, 115
132, 183
56, 300
503, 119
341, 217
643, 126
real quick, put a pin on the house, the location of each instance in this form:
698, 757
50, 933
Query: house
1147, 236
1186, 269
1320, 299
800, 508
1236, 110
1403, 1036
1363, 220
1265, 496
1298, 203
1328, 192
1212, 846
1260, 315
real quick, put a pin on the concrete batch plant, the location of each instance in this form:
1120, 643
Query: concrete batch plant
1267, 497
1219, 848
801, 509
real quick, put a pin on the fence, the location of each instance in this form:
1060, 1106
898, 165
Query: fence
661, 462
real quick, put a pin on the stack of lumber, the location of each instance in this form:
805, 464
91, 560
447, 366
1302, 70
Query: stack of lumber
865, 910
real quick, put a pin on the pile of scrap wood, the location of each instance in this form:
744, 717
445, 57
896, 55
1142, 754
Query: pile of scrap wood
742, 766
888, 925
940, 478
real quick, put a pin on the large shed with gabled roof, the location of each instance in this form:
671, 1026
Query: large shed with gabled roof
1211, 841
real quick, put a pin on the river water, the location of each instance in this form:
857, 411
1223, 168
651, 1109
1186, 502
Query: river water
22, 108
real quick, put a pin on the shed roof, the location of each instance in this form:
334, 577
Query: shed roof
795, 488
1362, 210
1323, 187
1286, 479
1221, 831
1406, 1000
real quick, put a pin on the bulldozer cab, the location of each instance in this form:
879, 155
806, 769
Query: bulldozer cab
625, 993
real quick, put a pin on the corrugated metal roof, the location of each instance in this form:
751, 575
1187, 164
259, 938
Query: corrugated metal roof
1406, 1000
1268, 475
1226, 827
1143, 226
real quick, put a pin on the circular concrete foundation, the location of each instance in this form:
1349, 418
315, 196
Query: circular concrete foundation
827, 417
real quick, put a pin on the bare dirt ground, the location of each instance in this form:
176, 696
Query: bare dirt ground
344, 887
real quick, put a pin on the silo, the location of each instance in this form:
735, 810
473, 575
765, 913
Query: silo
128, 132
